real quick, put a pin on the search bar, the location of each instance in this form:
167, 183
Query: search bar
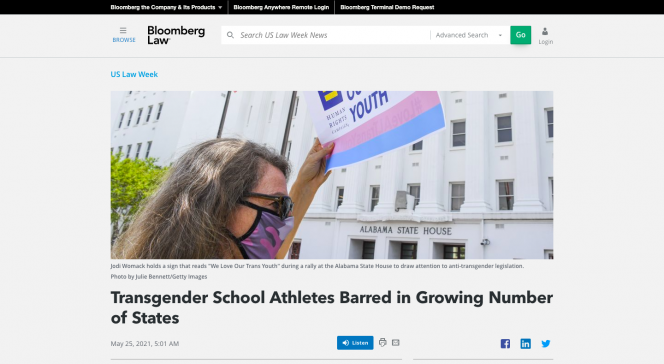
327, 35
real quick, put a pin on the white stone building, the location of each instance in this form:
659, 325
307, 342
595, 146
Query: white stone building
482, 188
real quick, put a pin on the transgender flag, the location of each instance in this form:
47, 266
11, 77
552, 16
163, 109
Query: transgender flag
365, 124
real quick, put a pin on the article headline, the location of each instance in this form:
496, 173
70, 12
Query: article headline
218, 297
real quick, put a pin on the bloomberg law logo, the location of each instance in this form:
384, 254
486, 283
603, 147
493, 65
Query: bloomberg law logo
155, 30
330, 98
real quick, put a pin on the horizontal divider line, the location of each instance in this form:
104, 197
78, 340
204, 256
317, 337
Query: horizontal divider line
294, 57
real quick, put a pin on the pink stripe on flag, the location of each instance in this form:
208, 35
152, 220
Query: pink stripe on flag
406, 110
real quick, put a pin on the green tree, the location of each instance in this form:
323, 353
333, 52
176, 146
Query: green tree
132, 180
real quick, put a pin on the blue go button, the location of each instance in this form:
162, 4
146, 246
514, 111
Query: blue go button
355, 342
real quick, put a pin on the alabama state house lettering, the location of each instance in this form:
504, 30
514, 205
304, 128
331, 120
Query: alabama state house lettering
410, 230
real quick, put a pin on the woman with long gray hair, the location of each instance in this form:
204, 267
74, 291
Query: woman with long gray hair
224, 199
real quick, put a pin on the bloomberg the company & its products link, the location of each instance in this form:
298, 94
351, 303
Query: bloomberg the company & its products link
162, 7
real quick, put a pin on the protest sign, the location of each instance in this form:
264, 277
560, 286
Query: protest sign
365, 124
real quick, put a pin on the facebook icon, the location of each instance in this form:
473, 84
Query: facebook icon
525, 343
504, 343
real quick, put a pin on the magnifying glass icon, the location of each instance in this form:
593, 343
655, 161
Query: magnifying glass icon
230, 35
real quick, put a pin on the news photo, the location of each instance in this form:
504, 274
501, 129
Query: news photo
332, 175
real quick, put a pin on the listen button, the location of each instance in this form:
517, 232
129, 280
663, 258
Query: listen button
355, 342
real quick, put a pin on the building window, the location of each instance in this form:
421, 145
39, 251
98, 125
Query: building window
138, 150
414, 190
459, 134
548, 254
121, 119
147, 118
408, 251
251, 108
111, 151
458, 196
147, 152
269, 118
131, 115
506, 195
128, 150
140, 112
375, 195
368, 249
297, 103
129, 93
340, 196
417, 146
120, 151
454, 252
161, 106
288, 148
551, 179
549, 122
504, 129
295, 250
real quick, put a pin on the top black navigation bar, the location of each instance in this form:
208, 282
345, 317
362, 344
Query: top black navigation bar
295, 7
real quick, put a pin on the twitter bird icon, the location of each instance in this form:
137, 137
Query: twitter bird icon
545, 344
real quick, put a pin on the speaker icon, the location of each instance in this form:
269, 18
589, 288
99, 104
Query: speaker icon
346, 342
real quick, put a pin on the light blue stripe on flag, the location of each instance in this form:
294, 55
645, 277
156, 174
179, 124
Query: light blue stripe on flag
422, 125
